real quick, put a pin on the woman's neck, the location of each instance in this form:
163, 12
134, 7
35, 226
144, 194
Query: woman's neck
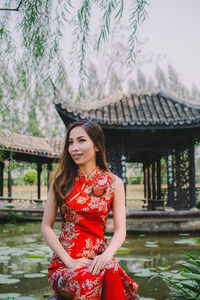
87, 170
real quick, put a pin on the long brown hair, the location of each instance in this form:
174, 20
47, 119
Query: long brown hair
67, 170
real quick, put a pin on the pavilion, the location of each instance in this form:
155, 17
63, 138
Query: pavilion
32, 149
146, 129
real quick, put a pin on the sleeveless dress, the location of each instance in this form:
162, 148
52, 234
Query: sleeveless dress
84, 217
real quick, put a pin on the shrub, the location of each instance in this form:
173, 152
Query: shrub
135, 180
17, 181
198, 204
30, 177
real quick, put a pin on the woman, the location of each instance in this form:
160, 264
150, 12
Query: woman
83, 188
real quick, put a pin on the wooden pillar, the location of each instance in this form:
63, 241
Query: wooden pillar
192, 176
158, 179
39, 171
148, 182
144, 174
170, 181
153, 180
49, 170
9, 181
1, 177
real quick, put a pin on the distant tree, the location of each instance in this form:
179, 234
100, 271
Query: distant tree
167, 82
195, 93
175, 85
161, 80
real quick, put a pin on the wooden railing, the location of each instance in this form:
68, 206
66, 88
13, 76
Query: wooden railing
9, 202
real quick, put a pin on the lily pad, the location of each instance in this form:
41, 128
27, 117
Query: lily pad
29, 240
18, 272
4, 276
34, 275
26, 298
18, 252
144, 259
9, 296
164, 269
146, 273
10, 243
144, 298
126, 258
9, 280
189, 241
45, 249
123, 250
137, 270
46, 296
36, 256
184, 234
4, 258
150, 244
33, 260
166, 274
44, 271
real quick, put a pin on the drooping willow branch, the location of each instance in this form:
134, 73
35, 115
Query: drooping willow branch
14, 9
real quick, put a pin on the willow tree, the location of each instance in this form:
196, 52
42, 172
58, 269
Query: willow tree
32, 54
40, 25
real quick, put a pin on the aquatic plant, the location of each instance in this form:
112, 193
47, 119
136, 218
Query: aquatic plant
185, 282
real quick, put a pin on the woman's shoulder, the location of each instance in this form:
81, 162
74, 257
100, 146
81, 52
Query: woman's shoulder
113, 177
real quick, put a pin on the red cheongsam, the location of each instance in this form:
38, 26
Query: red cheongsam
83, 224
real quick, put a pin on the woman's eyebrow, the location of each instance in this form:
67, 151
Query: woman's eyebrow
79, 137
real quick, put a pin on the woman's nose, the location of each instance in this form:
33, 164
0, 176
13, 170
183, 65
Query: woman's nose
75, 146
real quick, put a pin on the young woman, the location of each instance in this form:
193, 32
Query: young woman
83, 188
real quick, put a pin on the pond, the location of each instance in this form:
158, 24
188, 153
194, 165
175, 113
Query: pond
24, 258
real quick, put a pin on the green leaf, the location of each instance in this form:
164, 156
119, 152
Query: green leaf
191, 287
191, 276
36, 256
123, 250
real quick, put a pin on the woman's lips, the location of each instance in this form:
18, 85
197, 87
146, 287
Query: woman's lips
76, 156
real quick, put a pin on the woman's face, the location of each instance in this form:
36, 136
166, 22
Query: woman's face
81, 147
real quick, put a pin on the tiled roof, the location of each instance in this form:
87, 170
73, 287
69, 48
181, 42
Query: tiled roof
139, 112
30, 144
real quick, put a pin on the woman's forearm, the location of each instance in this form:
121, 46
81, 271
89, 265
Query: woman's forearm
54, 243
116, 241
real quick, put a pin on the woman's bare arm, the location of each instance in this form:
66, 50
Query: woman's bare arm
119, 218
48, 221
119, 221
49, 235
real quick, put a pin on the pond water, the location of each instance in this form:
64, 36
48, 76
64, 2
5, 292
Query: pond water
24, 258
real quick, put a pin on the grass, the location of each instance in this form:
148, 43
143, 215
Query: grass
26, 191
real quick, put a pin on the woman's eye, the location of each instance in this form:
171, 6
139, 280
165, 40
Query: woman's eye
69, 142
81, 140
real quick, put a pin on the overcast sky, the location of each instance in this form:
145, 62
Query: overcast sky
173, 30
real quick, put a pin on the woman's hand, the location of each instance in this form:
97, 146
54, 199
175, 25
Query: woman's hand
78, 263
99, 262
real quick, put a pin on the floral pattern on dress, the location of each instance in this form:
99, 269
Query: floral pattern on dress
84, 217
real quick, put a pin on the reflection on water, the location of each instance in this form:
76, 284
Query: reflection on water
24, 258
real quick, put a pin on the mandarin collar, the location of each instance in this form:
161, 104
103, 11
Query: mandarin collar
92, 176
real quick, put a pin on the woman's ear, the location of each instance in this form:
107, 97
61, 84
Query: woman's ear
96, 149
